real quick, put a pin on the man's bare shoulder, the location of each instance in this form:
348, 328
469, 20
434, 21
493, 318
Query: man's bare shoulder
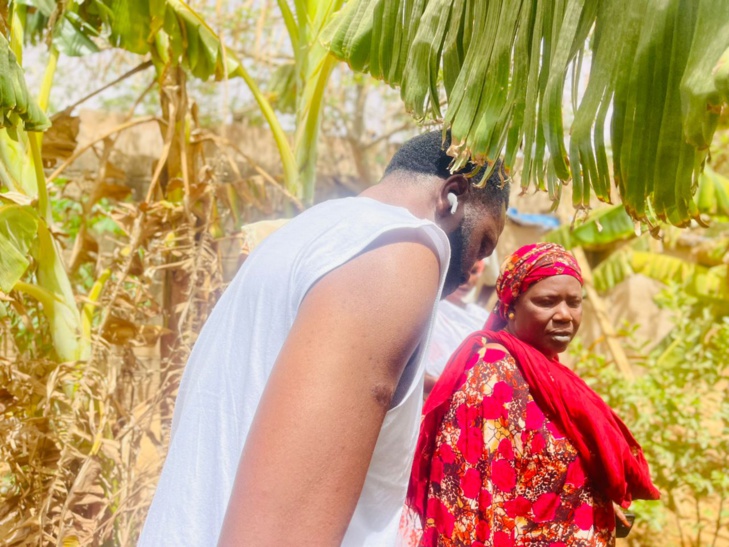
408, 267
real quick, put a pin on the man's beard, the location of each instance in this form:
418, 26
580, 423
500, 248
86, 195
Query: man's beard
457, 273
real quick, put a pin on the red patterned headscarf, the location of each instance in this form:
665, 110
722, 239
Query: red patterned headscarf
522, 269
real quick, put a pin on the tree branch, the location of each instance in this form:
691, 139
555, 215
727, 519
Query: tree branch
143, 66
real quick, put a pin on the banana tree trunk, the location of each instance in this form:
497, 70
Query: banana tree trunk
313, 77
314, 65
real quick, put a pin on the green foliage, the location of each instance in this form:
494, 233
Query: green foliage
678, 410
168, 29
712, 197
18, 227
662, 68
17, 107
601, 228
282, 88
708, 284
68, 212
74, 27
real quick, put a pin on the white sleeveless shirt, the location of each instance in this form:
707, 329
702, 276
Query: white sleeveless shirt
233, 357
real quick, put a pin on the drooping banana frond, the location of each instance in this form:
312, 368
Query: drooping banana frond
658, 78
17, 107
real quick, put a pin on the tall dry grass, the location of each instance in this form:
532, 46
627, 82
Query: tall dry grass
83, 442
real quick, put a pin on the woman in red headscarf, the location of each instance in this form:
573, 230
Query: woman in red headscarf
514, 448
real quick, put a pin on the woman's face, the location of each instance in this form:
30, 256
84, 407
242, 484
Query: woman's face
548, 314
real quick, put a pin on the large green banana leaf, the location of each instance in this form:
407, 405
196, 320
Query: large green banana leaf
59, 304
707, 283
171, 31
659, 68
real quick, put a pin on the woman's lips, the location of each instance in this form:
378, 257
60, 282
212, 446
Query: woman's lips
561, 336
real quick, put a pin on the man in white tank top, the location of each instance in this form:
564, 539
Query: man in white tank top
298, 411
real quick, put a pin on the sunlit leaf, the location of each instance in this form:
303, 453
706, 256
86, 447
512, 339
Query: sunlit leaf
73, 36
712, 197
61, 311
71, 541
282, 88
16, 170
18, 228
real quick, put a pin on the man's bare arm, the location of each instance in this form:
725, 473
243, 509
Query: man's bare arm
307, 454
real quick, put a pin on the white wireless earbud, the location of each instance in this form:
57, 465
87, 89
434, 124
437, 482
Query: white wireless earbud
453, 200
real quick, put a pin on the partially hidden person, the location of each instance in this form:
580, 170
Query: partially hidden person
455, 320
298, 410
515, 449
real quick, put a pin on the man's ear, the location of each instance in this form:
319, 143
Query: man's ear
460, 189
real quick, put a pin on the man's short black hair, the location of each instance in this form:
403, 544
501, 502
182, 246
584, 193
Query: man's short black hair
426, 154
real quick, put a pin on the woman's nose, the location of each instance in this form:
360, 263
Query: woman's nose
562, 313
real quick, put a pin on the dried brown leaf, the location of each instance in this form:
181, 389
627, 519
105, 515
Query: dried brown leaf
61, 139
119, 330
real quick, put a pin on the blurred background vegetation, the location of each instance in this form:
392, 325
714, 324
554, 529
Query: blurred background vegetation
136, 185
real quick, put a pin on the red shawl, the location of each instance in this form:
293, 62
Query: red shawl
612, 457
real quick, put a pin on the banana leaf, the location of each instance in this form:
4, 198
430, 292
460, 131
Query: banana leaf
53, 290
659, 68
171, 31
17, 107
18, 228
23, 233
709, 284
16, 170
168, 29
712, 197
281, 89
601, 228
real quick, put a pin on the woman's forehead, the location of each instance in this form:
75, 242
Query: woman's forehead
556, 284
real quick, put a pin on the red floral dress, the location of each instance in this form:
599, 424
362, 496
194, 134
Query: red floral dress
504, 475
